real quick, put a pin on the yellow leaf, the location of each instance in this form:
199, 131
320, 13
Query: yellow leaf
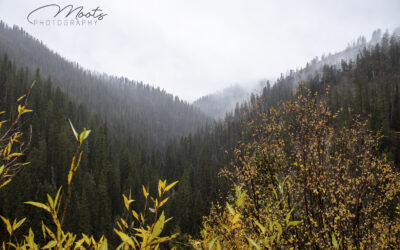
86, 239
211, 243
44, 230
260, 226
142, 218
52, 235
13, 155
18, 224
168, 220
135, 215
50, 200
57, 196
279, 228
126, 202
159, 188
163, 202
27, 110
124, 223
253, 243
8, 224
294, 223
50, 245
231, 210
104, 245
19, 99
145, 192
125, 238
170, 186
334, 241
235, 218
5, 183
39, 205
158, 227
85, 133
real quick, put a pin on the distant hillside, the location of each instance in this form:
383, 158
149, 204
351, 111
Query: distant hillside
147, 112
219, 103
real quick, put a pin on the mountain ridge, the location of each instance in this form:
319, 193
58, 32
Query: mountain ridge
221, 102
148, 112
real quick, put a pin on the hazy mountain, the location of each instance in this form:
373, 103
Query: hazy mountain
219, 103
148, 112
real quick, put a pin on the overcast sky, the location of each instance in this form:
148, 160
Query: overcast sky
192, 48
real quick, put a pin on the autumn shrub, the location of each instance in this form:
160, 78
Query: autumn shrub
332, 183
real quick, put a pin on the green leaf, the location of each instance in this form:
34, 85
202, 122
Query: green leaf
253, 243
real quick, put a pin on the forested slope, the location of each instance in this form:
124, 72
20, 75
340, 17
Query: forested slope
132, 107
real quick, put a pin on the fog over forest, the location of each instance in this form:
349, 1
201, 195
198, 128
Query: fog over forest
199, 125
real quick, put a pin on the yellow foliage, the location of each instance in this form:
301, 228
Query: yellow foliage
133, 236
137, 234
334, 180
11, 148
